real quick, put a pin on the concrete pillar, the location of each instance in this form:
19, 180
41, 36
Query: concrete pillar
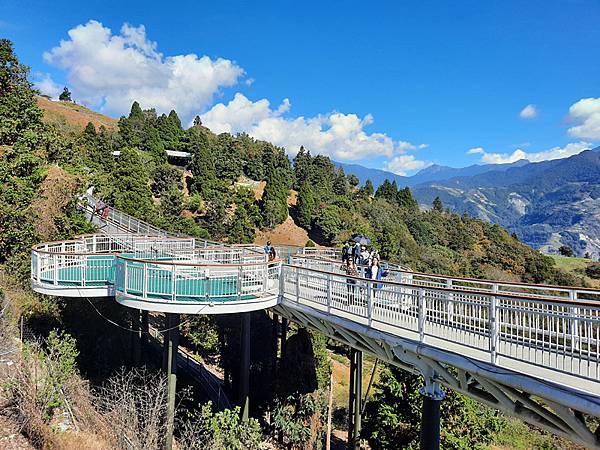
355, 400
172, 345
245, 367
430, 419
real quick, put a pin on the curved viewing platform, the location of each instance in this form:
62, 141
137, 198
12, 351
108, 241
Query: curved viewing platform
168, 274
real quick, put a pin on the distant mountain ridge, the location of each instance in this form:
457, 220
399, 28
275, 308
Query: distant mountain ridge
431, 173
547, 204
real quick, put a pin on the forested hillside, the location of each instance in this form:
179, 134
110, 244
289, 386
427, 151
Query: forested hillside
43, 169
547, 204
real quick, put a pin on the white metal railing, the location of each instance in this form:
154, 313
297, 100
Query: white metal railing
90, 259
184, 282
405, 276
558, 334
123, 220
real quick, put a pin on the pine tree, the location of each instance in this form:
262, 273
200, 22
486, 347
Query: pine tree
302, 163
437, 204
387, 190
274, 200
340, 183
18, 109
65, 95
131, 185
152, 143
353, 180
306, 205
203, 168
405, 199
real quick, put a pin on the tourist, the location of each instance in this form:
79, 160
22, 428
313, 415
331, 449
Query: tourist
365, 256
356, 253
375, 273
346, 252
350, 268
272, 254
268, 248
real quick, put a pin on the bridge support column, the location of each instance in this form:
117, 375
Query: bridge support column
275, 343
145, 331
245, 367
172, 348
284, 329
355, 400
137, 337
430, 419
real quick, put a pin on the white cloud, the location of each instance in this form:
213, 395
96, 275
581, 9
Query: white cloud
553, 153
405, 163
341, 136
586, 114
475, 151
109, 71
529, 112
46, 86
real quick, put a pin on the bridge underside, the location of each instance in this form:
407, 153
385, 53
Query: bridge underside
526, 398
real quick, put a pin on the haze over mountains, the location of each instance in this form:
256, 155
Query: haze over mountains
547, 204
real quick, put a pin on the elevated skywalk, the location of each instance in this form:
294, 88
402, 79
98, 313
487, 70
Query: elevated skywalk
532, 351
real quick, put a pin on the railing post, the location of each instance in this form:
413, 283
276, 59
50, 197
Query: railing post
493, 316
450, 301
125, 276
174, 283
145, 281
83, 270
370, 306
94, 244
281, 280
38, 270
574, 323
422, 314
239, 283
328, 293
55, 257
297, 285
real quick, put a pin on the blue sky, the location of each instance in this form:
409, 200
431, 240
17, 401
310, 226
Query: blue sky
395, 85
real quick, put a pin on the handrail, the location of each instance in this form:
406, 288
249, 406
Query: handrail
453, 290
560, 335
490, 283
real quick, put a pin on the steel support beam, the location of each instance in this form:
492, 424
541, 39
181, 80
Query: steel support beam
355, 399
430, 418
245, 367
137, 336
172, 346
145, 336
536, 402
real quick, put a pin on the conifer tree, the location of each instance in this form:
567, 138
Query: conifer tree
65, 95
18, 109
306, 205
302, 163
131, 185
405, 199
203, 168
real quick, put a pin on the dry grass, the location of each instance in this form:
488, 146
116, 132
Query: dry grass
68, 115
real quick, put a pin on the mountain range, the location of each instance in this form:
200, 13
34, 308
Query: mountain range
547, 204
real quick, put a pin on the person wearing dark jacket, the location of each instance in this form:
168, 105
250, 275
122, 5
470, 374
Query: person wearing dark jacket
351, 271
